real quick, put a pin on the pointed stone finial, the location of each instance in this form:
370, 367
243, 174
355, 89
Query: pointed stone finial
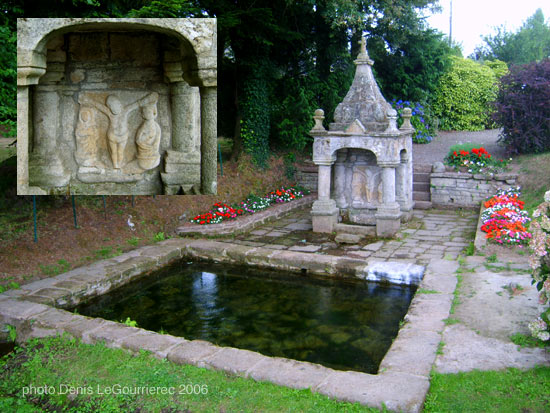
407, 114
318, 117
363, 43
392, 118
363, 56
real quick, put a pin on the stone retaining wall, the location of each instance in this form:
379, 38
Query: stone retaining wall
460, 189
306, 177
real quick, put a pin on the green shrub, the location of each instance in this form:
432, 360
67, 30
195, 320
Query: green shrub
464, 98
255, 122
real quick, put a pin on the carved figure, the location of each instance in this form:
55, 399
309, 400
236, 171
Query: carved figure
358, 188
366, 187
148, 138
117, 113
86, 138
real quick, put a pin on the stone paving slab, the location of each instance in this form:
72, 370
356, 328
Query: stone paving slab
413, 351
158, 344
235, 361
465, 350
193, 352
396, 391
290, 373
402, 382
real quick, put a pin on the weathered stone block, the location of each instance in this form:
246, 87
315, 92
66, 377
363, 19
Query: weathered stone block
290, 373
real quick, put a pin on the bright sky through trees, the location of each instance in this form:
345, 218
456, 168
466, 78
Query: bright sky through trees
475, 18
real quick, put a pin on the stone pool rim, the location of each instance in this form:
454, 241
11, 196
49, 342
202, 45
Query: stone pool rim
403, 376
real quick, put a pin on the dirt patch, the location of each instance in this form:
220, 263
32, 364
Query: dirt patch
103, 233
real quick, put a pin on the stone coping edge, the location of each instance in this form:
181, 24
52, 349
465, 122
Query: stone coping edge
401, 384
480, 241
467, 175
246, 222
81, 284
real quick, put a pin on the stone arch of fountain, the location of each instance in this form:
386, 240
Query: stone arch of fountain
116, 106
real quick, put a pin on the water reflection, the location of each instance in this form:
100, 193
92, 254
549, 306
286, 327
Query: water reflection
204, 296
339, 323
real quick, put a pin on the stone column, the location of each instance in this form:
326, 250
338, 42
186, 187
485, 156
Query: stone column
209, 139
340, 178
388, 215
183, 160
45, 167
388, 185
324, 182
324, 213
186, 118
22, 140
26, 76
404, 187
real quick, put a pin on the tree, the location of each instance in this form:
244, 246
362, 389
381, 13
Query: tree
281, 59
531, 43
8, 68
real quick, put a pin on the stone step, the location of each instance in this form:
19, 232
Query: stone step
421, 196
421, 177
422, 204
423, 168
362, 230
421, 186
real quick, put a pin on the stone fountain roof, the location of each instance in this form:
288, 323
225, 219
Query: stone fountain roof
364, 101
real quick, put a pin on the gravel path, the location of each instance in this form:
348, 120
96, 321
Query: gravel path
438, 148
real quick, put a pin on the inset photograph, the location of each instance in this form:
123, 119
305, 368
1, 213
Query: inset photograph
116, 106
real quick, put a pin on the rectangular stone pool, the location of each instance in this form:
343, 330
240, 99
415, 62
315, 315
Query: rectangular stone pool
344, 324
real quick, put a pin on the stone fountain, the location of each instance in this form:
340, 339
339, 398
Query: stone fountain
364, 160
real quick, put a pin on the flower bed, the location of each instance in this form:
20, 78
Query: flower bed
476, 160
540, 264
504, 219
222, 212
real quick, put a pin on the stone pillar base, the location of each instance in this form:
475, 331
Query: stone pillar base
406, 211
388, 221
181, 189
324, 216
183, 173
47, 173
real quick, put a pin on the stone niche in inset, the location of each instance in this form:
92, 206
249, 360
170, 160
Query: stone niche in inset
117, 106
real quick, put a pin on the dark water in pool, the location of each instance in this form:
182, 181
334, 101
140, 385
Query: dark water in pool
343, 324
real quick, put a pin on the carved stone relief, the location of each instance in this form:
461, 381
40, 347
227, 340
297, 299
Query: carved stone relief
88, 132
117, 106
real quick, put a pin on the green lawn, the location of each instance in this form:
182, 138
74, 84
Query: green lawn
534, 178
94, 370
61, 363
